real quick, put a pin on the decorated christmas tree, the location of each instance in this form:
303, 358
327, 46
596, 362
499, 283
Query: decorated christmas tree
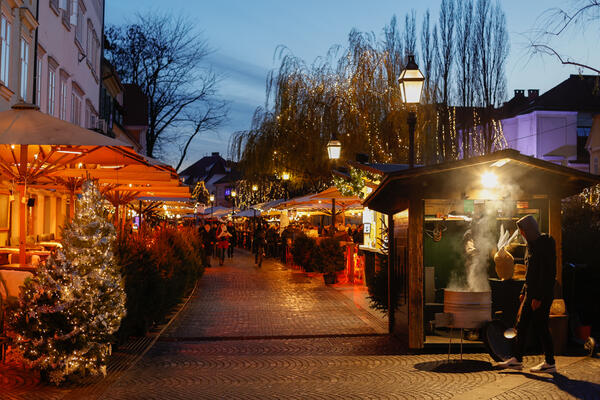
70, 308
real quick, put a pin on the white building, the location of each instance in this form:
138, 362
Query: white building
553, 126
67, 61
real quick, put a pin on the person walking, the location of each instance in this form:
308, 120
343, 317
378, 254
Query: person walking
232, 239
222, 242
259, 244
536, 296
207, 240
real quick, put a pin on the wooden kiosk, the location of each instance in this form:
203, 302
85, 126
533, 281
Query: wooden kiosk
404, 195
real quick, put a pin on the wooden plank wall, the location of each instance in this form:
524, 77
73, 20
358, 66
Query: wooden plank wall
416, 210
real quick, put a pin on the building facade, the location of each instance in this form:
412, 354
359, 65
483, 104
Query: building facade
62, 75
554, 126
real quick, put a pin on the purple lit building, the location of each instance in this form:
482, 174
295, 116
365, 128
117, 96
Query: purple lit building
554, 126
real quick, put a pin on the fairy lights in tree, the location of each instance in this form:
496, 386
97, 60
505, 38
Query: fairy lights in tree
70, 308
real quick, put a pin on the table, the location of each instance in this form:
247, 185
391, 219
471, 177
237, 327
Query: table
50, 245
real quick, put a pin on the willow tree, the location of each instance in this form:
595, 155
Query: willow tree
352, 94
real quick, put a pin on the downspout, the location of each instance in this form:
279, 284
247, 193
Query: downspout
35, 52
101, 58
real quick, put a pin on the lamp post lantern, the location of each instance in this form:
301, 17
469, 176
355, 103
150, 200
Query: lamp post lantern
411, 86
334, 149
212, 204
233, 196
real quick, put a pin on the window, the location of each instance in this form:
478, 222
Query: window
583, 131
63, 98
54, 5
38, 89
51, 89
75, 108
4, 50
88, 41
79, 26
24, 67
66, 14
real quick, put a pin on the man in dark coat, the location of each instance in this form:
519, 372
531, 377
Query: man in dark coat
207, 238
536, 296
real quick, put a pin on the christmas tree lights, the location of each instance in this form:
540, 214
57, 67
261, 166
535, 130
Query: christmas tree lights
70, 308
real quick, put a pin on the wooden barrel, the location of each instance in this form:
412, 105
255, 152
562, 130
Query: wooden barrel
469, 309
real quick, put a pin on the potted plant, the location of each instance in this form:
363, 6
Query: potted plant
329, 258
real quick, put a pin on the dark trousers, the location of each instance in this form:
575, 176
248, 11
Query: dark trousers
230, 250
538, 320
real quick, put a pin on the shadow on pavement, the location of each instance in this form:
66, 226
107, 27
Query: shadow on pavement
574, 387
454, 367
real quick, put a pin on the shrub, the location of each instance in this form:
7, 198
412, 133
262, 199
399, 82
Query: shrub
329, 256
302, 251
159, 269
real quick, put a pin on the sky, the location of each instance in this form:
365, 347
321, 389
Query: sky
244, 35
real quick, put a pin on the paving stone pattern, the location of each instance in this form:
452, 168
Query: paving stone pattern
239, 300
274, 334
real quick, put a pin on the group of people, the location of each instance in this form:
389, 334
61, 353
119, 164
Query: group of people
218, 240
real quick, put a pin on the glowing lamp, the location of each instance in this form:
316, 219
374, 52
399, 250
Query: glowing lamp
411, 82
233, 193
489, 180
285, 176
212, 198
334, 149
254, 188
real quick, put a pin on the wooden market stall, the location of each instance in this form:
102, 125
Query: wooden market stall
426, 200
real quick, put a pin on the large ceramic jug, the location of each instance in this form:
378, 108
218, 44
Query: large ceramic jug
505, 264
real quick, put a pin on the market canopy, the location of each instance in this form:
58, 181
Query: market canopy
40, 150
517, 176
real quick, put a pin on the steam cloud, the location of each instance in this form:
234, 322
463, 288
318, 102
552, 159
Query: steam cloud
479, 244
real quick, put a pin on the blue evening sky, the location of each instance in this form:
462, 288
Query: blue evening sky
245, 33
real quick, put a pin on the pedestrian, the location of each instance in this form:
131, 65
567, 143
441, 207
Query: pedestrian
207, 242
222, 242
232, 239
259, 244
536, 296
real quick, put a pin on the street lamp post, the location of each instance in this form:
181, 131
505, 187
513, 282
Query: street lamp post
212, 205
233, 196
286, 177
411, 86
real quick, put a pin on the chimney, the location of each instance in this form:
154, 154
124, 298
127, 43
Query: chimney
533, 93
519, 93
215, 154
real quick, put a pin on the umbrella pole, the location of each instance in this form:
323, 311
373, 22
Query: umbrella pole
72, 202
22, 225
332, 217
22, 205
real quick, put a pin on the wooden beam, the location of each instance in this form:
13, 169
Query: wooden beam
391, 274
415, 272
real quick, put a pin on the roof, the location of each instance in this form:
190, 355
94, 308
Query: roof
378, 168
206, 167
577, 93
520, 177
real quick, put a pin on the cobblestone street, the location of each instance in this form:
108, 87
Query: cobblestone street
271, 333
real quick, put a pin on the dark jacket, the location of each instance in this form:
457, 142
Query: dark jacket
207, 237
541, 269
